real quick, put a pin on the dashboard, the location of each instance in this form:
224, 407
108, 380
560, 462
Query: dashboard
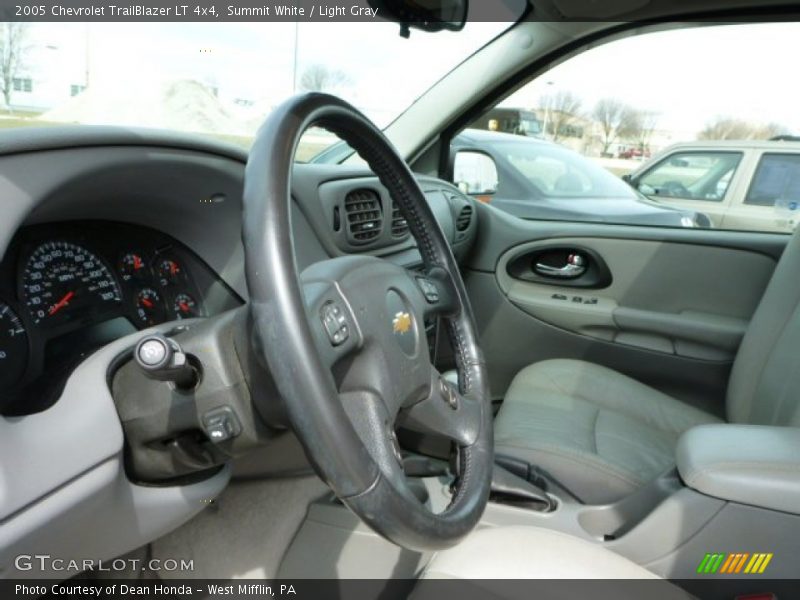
104, 232
67, 289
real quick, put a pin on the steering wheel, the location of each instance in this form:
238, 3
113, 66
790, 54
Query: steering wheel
345, 340
676, 189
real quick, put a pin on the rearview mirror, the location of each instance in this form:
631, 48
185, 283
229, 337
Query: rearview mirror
475, 173
428, 15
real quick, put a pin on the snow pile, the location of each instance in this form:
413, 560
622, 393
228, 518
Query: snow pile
185, 105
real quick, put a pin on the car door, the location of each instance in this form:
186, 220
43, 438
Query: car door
769, 196
694, 179
668, 307
663, 304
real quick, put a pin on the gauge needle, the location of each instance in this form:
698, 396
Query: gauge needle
61, 303
184, 307
147, 303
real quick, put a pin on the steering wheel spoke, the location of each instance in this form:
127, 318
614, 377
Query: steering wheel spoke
436, 298
445, 412
333, 325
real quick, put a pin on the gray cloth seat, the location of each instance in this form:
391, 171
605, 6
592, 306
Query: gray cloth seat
602, 434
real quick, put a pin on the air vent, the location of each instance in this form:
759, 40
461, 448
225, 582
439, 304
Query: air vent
464, 218
399, 223
364, 217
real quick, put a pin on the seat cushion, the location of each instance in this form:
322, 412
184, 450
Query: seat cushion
524, 552
599, 433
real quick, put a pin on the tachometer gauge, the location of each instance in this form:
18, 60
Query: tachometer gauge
62, 281
185, 307
149, 307
13, 348
131, 266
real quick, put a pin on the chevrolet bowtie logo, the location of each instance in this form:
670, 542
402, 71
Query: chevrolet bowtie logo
401, 323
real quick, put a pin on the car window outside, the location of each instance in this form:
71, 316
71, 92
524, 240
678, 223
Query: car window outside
559, 173
690, 153
691, 176
776, 182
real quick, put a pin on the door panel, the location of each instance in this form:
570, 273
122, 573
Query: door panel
665, 297
672, 316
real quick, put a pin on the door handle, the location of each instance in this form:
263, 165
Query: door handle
575, 267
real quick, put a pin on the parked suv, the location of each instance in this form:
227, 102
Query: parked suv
749, 185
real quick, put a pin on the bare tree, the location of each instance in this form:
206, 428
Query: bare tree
611, 114
638, 126
729, 128
562, 109
12, 57
319, 78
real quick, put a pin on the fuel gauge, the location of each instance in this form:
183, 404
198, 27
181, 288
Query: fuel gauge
185, 307
149, 307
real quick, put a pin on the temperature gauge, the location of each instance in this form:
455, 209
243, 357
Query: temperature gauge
149, 307
185, 307
131, 265
169, 272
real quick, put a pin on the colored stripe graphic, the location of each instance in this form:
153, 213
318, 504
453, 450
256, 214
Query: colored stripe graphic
734, 563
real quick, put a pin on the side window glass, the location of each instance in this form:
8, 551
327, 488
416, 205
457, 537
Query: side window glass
584, 141
776, 182
691, 176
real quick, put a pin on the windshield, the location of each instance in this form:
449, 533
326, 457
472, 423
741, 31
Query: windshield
219, 79
560, 173
530, 126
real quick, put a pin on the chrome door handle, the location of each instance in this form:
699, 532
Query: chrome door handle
575, 267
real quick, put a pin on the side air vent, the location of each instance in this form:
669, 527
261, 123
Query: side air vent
399, 223
464, 218
364, 216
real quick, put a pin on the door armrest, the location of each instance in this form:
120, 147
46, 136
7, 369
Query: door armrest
749, 464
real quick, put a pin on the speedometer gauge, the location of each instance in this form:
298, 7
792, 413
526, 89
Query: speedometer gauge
13, 348
62, 281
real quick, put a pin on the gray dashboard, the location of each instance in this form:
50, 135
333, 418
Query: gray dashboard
57, 462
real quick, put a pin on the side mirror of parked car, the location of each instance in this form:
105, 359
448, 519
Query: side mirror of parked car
475, 173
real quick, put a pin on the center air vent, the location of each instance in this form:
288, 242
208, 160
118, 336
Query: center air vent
399, 223
364, 216
464, 218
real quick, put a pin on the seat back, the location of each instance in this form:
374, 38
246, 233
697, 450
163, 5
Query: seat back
764, 387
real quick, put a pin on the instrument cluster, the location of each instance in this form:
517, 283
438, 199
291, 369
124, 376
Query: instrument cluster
68, 289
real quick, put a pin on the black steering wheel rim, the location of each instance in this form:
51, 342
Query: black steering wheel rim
283, 336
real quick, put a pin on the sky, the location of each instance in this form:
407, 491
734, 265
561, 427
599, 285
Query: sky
687, 77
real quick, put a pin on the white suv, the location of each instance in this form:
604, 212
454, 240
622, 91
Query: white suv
748, 185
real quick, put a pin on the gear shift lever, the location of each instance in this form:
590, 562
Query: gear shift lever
162, 359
